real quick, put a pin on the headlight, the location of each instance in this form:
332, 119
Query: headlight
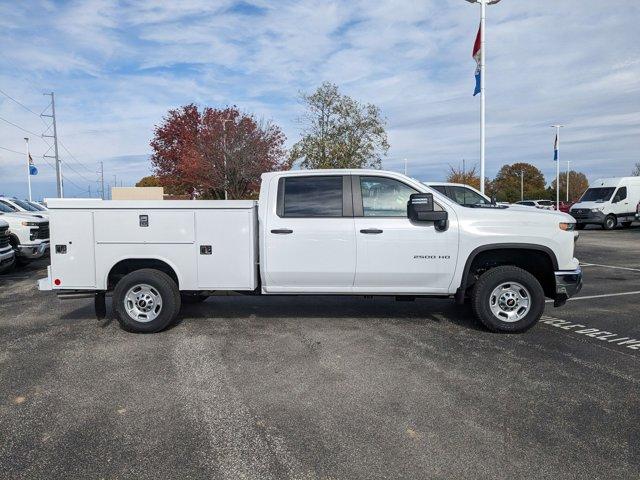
30, 224
569, 227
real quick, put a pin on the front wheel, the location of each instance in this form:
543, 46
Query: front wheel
507, 299
146, 301
610, 222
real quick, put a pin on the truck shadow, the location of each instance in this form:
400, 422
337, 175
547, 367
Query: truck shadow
422, 311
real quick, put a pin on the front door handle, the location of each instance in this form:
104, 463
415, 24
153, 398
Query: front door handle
371, 231
282, 231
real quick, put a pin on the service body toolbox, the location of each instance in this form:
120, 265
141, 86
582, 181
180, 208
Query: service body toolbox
212, 242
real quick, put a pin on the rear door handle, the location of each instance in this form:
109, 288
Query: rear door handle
282, 231
371, 231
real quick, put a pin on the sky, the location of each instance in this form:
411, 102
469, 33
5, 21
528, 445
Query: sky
117, 67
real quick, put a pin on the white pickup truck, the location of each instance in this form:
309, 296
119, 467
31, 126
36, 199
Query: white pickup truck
7, 255
29, 233
323, 232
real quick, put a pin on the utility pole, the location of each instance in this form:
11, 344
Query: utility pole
101, 180
556, 157
59, 180
26, 140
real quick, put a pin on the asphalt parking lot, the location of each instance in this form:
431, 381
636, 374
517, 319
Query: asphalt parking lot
327, 387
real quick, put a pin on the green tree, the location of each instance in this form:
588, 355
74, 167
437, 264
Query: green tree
340, 132
578, 183
506, 185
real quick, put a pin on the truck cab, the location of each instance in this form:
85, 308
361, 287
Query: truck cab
321, 232
608, 202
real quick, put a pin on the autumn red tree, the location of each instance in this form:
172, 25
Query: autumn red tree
204, 152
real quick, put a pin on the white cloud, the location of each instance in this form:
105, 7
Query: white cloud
117, 67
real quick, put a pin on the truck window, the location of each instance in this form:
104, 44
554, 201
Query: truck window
313, 196
465, 196
7, 208
384, 197
621, 194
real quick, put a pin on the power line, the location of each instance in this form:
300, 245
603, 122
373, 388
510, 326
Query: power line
18, 102
12, 151
21, 128
74, 158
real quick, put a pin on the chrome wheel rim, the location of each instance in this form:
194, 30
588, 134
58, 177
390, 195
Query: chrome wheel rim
510, 302
143, 303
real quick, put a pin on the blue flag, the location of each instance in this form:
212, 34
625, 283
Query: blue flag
477, 55
555, 149
33, 170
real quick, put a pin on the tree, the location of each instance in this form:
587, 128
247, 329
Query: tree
467, 177
635, 173
202, 153
506, 185
578, 183
340, 132
149, 181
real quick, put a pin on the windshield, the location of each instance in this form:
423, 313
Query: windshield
25, 205
601, 194
6, 208
465, 196
40, 208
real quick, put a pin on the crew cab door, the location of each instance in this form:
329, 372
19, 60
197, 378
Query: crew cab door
310, 243
394, 254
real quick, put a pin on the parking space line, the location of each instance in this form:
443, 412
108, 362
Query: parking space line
610, 266
604, 295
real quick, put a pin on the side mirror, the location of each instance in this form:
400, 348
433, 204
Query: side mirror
420, 209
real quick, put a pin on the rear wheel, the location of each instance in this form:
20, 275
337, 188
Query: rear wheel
507, 299
146, 301
610, 222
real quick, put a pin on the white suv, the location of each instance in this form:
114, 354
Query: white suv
542, 204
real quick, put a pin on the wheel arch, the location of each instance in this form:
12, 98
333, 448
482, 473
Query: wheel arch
130, 264
511, 254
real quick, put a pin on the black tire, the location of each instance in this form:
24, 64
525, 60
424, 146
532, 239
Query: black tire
481, 296
163, 285
626, 224
610, 222
190, 298
580, 226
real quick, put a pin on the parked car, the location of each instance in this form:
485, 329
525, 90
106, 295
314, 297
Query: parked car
342, 232
608, 202
37, 206
460, 193
638, 211
565, 207
22, 206
29, 234
542, 204
7, 255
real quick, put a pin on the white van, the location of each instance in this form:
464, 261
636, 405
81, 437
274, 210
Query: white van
608, 202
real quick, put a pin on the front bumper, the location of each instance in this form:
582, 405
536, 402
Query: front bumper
585, 215
33, 252
7, 259
568, 283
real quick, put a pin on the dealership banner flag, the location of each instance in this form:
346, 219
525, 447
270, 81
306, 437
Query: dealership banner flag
33, 170
555, 149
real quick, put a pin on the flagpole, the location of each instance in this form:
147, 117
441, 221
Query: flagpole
483, 12
568, 170
26, 140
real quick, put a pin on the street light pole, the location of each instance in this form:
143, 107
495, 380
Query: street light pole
568, 170
224, 153
521, 185
483, 12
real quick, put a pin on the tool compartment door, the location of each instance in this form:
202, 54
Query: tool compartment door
73, 248
226, 249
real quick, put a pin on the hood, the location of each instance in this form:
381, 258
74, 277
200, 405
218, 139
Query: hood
588, 205
22, 216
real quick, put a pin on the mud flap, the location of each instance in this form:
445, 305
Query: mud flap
100, 305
